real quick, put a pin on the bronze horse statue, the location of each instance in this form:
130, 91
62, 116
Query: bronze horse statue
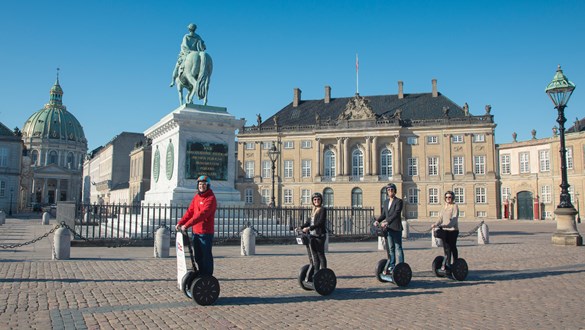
195, 77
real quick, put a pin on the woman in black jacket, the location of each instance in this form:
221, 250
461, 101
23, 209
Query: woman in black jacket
317, 228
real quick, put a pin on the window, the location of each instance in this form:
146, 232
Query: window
288, 196
328, 197
2, 189
357, 163
386, 163
458, 165
266, 168
413, 166
249, 196
481, 214
53, 157
3, 157
412, 196
544, 160
461, 214
306, 144
545, 194
548, 215
265, 196
412, 140
250, 145
432, 139
35, 158
70, 162
506, 193
524, 162
479, 164
457, 139
569, 158
329, 166
478, 137
480, 195
267, 145
356, 198
433, 166
459, 195
413, 214
306, 168
505, 164
289, 144
305, 196
433, 196
433, 214
249, 167
288, 169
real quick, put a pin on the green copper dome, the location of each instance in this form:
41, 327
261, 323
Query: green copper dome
53, 121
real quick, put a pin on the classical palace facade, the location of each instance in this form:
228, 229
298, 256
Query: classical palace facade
349, 148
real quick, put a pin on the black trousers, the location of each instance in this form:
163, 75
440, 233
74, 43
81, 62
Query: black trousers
317, 256
450, 246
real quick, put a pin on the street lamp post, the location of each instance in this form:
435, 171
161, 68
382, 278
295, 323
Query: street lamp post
578, 208
10, 208
273, 154
559, 90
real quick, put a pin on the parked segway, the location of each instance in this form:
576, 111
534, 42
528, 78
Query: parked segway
457, 270
323, 281
400, 275
204, 290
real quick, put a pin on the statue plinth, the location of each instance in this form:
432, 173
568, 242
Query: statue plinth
566, 233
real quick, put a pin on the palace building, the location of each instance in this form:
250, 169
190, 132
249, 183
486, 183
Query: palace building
349, 148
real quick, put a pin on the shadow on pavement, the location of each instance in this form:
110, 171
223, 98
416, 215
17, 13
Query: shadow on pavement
509, 275
80, 280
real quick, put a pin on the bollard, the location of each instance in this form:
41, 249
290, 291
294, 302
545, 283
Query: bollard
162, 243
45, 218
406, 229
2, 218
381, 243
248, 247
483, 234
435, 242
62, 247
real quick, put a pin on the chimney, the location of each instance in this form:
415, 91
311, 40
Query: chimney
435, 93
296, 97
400, 90
327, 94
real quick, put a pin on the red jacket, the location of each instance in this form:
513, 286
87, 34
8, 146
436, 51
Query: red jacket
201, 213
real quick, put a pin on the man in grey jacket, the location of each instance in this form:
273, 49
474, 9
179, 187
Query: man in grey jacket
391, 222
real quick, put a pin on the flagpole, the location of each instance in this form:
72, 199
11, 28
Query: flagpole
357, 74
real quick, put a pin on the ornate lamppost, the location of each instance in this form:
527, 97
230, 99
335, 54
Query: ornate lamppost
578, 208
273, 154
559, 90
10, 209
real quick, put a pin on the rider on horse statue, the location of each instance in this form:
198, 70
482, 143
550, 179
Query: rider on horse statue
191, 42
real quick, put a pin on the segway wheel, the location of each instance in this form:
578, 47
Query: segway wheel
205, 290
324, 281
303, 276
186, 283
380, 269
459, 269
402, 274
437, 263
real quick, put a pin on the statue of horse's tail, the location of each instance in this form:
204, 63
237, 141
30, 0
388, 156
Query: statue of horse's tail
205, 69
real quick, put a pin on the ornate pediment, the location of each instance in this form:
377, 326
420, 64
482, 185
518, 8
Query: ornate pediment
357, 109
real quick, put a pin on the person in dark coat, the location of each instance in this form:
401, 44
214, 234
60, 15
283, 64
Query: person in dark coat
391, 222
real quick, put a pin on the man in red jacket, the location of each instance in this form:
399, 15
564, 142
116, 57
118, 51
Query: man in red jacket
201, 217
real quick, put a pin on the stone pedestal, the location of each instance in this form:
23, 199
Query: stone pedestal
566, 233
190, 141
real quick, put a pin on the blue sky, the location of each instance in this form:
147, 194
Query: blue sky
116, 57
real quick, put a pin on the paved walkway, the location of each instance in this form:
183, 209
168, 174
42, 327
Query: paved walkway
519, 281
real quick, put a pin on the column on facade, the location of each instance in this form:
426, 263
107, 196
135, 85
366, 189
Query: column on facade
44, 193
346, 158
318, 155
447, 159
397, 157
375, 165
469, 151
368, 156
338, 159
57, 191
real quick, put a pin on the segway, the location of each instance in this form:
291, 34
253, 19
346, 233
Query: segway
400, 275
204, 290
457, 270
323, 281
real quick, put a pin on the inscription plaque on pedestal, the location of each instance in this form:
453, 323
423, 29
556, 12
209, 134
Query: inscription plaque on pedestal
205, 158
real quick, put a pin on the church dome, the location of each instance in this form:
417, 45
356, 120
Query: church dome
53, 121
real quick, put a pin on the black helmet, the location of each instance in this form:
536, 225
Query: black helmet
391, 186
206, 179
318, 195
449, 192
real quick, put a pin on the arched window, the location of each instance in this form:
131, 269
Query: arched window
356, 198
357, 163
328, 197
70, 163
53, 157
383, 196
329, 166
386, 163
35, 157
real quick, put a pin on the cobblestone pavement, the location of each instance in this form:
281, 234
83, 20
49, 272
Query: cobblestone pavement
518, 281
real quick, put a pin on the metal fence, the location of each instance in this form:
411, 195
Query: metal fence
121, 221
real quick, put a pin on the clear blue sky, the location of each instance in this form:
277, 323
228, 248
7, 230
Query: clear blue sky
116, 57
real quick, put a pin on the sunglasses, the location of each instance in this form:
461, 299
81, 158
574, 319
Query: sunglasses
450, 197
